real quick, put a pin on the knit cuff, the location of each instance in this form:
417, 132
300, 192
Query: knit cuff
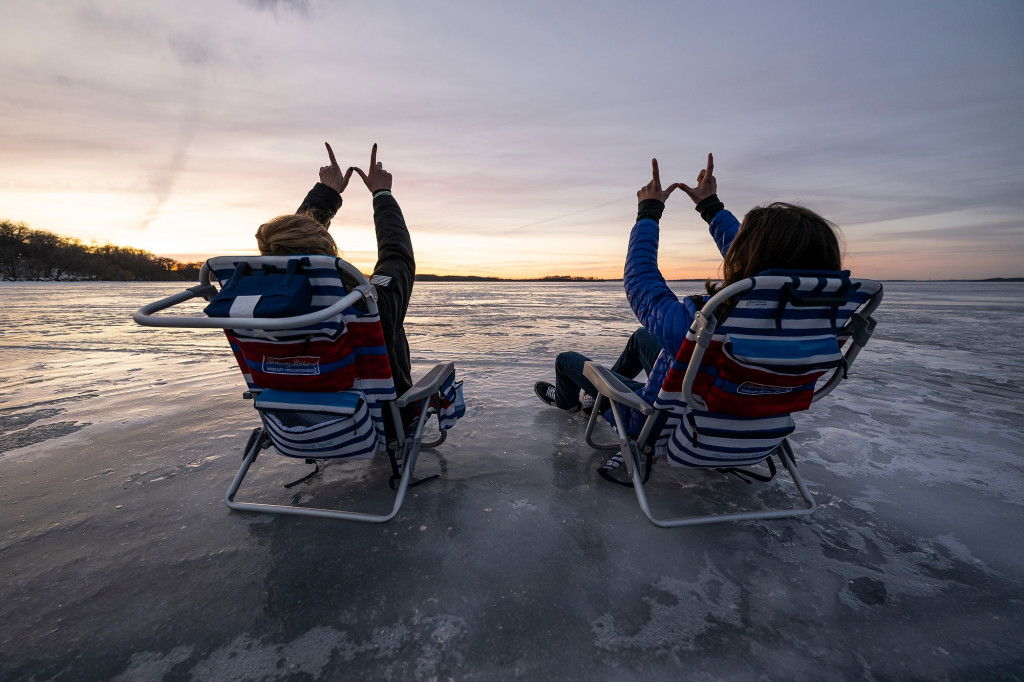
709, 207
650, 209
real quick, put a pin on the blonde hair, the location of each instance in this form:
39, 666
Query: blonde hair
295, 234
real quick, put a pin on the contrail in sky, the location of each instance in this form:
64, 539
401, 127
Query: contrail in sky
164, 180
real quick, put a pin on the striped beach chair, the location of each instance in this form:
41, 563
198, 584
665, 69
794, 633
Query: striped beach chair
757, 351
307, 337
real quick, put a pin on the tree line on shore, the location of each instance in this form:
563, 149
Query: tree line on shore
482, 278
28, 254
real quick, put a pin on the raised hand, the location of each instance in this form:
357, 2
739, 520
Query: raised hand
653, 190
377, 179
331, 175
706, 183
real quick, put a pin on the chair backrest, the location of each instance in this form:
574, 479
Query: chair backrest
344, 353
729, 393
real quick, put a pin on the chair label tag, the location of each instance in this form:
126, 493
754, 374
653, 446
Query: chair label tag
301, 365
243, 306
750, 388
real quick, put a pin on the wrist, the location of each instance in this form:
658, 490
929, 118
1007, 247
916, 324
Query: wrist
709, 206
381, 192
650, 209
330, 187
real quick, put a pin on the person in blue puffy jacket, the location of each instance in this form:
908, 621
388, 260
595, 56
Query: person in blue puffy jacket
779, 235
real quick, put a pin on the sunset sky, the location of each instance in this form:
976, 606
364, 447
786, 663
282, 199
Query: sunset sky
519, 132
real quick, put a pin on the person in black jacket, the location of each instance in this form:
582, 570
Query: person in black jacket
393, 275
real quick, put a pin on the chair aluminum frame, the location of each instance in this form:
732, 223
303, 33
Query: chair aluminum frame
610, 388
428, 386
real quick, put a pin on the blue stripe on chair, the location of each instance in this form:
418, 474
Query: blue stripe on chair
786, 332
344, 402
741, 314
741, 435
372, 350
789, 349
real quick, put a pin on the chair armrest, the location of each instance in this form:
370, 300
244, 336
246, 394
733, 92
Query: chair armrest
609, 385
144, 315
428, 384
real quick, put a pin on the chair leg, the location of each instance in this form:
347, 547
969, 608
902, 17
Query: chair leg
785, 452
444, 434
789, 461
592, 424
412, 450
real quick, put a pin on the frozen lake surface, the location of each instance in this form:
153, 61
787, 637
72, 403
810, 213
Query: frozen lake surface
119, 560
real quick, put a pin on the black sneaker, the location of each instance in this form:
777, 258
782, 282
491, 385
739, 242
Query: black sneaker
546, 392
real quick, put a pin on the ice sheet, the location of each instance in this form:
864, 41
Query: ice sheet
119, 559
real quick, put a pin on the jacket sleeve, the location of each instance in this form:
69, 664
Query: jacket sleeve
321, 203
724, 227
657, 308
394, 245
393, 277
654, 304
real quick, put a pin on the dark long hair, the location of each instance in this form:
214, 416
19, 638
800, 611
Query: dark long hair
780, 236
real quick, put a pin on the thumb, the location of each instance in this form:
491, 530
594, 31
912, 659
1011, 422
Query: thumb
359, 170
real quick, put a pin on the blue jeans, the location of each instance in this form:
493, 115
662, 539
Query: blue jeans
640, 353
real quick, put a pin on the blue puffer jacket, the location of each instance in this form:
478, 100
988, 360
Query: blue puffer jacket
654, 304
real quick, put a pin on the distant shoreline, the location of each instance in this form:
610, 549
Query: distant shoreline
470, 279
584, 280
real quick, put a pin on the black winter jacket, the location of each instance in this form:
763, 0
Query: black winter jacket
393, 274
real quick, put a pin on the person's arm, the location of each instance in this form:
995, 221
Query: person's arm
394, 244
320, 204
655, 305
722, 223
653, 302
323, 201
394, 272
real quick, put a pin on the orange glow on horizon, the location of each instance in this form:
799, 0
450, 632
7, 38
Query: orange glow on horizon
195, 227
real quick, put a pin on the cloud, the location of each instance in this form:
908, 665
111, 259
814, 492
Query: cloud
300, 7
532, 121
166, 176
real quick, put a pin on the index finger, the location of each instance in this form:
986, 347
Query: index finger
330, 153
373, 157
711, 164
654, 171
